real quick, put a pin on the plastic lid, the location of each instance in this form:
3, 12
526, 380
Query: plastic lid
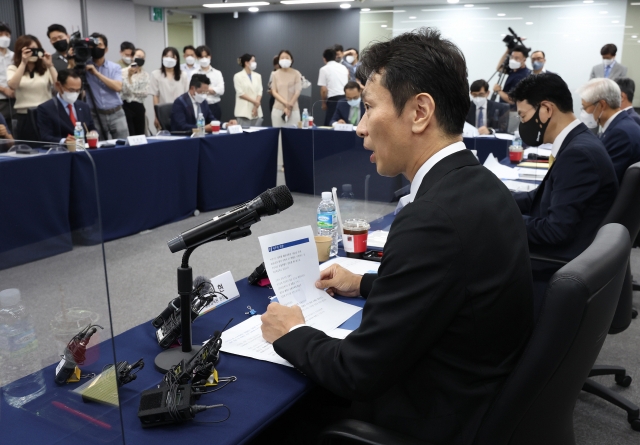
346, 188
327, 196
9, 297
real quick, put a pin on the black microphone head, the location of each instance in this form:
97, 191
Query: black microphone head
277, 199
198, 281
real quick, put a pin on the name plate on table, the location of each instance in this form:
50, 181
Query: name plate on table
140, 139
234, 129
343, 127
226, 290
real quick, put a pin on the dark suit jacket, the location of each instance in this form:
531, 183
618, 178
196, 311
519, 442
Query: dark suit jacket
633, 115
564, 213
622, 141
342, 111
182, 116
445, 319
54, 123
497, 116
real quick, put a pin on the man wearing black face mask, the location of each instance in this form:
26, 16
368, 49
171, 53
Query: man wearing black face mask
60, 40
564, 213
105, 79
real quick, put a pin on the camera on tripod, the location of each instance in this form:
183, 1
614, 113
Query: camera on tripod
512, 40
82, 49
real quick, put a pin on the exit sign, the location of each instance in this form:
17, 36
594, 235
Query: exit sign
156, 14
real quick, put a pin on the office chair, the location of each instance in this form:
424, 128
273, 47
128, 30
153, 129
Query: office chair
163, 112
32, 129
535, 405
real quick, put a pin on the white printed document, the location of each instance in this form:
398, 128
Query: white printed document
501, 171
353, 265
291, 260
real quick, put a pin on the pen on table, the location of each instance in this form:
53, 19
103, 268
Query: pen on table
84, 416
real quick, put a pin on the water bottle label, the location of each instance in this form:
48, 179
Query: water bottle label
21, 343
326, 220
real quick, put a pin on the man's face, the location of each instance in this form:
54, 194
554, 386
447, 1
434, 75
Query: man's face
608, 57
352, 93
72, 85
518, 56
126, 53
189, 52
481, 93
538, 57
338, 55
204, 89
385, 133
5, 34
526, 111
55, 36
101, 43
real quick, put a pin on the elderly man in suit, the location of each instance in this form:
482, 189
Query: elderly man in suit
450, 310
620, 134
609, 68
627, 90
350, 109
185, 110
57, 117
486, 115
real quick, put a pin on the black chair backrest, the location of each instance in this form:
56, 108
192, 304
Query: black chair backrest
535, 405
163, 112
33, 133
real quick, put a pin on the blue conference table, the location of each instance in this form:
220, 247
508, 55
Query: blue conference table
34, 204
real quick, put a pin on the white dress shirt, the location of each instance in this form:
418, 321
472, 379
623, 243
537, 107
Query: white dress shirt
334, 76
5, 61
217, 83
196, 106
557, 143
606, 124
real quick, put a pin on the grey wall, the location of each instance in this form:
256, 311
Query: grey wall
11, 14
305, 33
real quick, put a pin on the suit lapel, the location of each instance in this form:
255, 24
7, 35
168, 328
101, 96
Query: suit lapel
452, 162
64, 117
187, 100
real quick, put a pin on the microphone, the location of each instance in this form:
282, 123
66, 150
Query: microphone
235, 223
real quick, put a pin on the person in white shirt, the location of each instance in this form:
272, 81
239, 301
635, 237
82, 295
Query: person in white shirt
248, 86
7, 95
216, 89
331, 80
190, 66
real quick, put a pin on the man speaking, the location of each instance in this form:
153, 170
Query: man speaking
450, 311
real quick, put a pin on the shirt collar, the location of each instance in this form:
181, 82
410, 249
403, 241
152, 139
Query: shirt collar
562, 136
63, 102
428, 165
612, 63
628, 108
606, 124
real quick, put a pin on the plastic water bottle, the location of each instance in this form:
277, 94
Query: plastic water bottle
78, 135
517, 141
305, 118
328, 221
200, 125
18, 352
347, 202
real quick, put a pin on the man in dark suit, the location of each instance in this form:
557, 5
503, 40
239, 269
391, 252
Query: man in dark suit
564, 213
487, 116
350, 109
185, 110
57, 117
627, 90
620, 134
450, 310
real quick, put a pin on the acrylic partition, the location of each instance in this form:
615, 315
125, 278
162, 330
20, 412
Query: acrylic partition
341, 161
57, 379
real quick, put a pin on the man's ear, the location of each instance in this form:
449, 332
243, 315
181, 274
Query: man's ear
424, 108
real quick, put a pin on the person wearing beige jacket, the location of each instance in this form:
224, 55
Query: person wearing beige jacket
248, 86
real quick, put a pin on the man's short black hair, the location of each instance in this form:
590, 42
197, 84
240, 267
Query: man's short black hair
413, 63
329, 54
609, 50
56, 27
540, 51
337, 47
479, 84
191, 47
127, 45
353, 49
63, 75
351, 85
198, 79
521, 49
545, 86
4, 27
97, 35
627, 86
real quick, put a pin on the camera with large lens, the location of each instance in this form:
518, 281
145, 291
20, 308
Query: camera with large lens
82, 49
512, 40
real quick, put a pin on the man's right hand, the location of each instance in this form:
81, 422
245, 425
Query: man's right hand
3, 131
338, 280
70, 139
483, 130
341, 121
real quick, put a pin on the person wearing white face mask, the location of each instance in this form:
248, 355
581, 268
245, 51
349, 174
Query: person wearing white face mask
487, 116
127, 50
248, 86
190, 66
609, 68
186, 108
286, 87
57, 117
620, 134
216, 89
350, 109
517, 71
351, 61
169, 82
7, 95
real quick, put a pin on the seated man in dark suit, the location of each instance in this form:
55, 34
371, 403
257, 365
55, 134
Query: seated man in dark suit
5, 133
620, 134
450, 311
564, 213
185, 110
627, 90
57, 117
486, 115
350, 109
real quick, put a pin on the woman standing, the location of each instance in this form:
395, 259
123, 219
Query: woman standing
169, 82
286, 87
31, 76
135, 89
216, 89
248, 86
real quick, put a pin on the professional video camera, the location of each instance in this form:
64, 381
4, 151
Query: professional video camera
512, 40
82, 49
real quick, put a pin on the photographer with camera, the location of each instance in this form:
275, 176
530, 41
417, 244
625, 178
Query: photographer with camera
59, 38
516, 70
31, 77
105, 81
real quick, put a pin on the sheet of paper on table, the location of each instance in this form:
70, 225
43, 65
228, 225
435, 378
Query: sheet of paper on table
501, 171
165, 138
517, 186
543, 150
531, 173
253, 129
504, 136
353, 265
291, 260
378, 238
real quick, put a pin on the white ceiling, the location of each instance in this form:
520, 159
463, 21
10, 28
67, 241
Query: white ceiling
196, 6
